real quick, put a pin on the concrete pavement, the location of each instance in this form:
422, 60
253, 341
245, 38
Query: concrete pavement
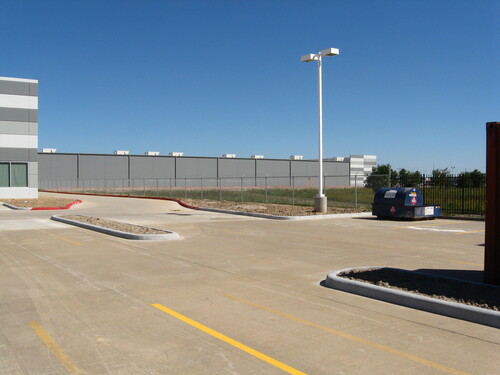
236, 295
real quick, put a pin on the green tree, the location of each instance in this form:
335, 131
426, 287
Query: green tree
409, 179
382, 176
473, 179
441, 177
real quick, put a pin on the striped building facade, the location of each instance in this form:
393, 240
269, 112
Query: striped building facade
361, 167
18, 138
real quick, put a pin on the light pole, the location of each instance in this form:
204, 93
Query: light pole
320, 201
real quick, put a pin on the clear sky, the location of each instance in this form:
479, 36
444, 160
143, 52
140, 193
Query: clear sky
414, 84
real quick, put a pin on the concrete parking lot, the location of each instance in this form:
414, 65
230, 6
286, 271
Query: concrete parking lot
235, 295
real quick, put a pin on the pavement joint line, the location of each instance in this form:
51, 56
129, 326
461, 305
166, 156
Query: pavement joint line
435, 365
229, 340
60, 237
54, 348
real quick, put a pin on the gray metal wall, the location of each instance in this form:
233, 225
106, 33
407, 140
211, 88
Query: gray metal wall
98, 170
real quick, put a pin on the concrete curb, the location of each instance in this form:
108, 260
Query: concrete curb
183, 204
124, 196
274, 217
16, 208
131, 236
452, 309
67, 207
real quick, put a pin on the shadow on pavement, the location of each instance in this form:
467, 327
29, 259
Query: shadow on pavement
467, 275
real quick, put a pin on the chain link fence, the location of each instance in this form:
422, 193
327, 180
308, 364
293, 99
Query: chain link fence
455, 194
295, 190
463, 194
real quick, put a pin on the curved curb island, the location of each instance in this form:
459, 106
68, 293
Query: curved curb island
67, 207
222, 211
274, 217
167, 235
437, 306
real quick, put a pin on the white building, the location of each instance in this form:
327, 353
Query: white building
18, 138
360, 167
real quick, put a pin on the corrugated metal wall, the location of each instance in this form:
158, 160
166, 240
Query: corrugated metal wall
98, 170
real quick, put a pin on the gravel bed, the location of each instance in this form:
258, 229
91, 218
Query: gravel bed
115, 225
268, 208
474, 294
39, 202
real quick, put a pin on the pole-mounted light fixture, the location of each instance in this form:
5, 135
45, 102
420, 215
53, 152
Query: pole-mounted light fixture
320, 201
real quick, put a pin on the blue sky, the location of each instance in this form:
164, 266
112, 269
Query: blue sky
414, 84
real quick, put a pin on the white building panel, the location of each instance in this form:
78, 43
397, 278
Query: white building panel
18, 79
18, 101
18, 192
18, 141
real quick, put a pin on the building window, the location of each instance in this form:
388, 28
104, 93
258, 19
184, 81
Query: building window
4, 175
19, 175
13, 174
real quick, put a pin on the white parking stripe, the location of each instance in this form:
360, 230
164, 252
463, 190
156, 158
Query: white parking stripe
437, 230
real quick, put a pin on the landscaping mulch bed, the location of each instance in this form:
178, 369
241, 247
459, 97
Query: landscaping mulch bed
115, 225
268, 208
474, 294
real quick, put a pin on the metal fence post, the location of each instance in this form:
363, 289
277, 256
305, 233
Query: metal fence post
220, 189
463, 197
422, 183
201, 187
265, 179
356, 190
185, 188
293, 190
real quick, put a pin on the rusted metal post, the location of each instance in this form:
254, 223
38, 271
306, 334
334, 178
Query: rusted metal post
492, 236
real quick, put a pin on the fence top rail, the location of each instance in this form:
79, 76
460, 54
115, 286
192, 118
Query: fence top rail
201, 178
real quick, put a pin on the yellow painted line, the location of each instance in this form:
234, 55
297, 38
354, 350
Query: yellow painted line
360, 340
229, 340
60, 237
232, 231
56, 349
470, 264
428, 225
471, 231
